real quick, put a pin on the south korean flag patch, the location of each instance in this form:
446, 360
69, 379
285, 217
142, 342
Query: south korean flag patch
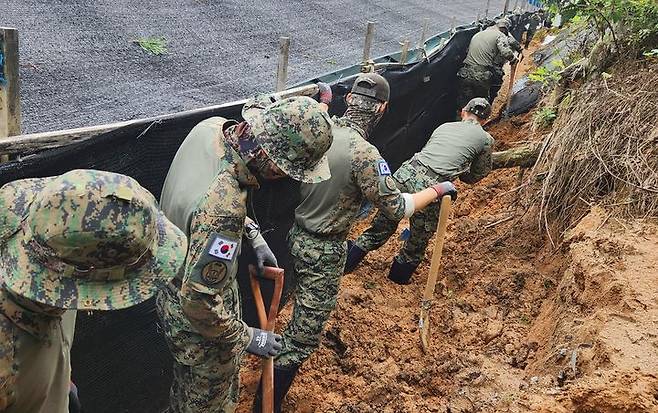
223, 248
383, 168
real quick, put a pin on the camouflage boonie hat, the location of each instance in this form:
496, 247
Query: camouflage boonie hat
295, 133
86, 240
480, 107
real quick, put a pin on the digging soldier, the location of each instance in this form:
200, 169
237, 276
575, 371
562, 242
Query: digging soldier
327, 210
205, 194
497, 71
455, 150
534, 21
487, 53
85, 240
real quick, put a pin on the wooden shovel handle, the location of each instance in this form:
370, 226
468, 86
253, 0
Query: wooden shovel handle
267, 321
446, 204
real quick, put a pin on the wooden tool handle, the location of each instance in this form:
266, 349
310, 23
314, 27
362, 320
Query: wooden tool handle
446, 204
267, 322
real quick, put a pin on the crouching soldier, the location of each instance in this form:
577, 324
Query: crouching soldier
455, 150
325, 216
205, 194
85, 240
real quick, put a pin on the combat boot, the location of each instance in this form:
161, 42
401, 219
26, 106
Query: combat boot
283, 378
401, 272
354, 256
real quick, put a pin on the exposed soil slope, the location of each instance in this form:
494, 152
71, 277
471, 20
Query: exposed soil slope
516, 326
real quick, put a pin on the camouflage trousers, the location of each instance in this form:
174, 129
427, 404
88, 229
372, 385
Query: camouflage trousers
496, 83
472, 83
318, 265
206, 372
411, 177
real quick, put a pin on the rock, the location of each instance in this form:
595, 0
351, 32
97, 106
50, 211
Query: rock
494, 330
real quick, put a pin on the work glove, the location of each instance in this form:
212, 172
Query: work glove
326, 95
263, 253
263, 343
445, 188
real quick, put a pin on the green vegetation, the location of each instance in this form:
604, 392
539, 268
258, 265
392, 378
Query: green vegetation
154, 45
631, 23
544, 117
547, 77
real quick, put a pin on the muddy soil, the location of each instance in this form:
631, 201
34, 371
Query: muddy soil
516, 325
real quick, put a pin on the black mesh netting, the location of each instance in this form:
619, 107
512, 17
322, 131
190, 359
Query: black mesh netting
120, 361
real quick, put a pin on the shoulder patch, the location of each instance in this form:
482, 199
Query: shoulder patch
383, 168
223, 248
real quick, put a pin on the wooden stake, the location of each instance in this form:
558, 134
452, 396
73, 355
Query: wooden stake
282, 67
405, 52
370, 33
506, 8
423, 35
453, 22
486, 9
10, 103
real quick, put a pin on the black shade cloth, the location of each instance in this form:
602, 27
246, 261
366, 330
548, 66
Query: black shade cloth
120, 361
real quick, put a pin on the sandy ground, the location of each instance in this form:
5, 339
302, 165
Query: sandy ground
79, 66
517, 325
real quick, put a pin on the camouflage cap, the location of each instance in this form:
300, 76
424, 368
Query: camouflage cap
480, 107
87, 240
295, 133
504, 23
372, 85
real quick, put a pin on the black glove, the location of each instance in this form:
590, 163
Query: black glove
263, 343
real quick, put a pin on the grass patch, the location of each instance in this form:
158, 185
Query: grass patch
153, 45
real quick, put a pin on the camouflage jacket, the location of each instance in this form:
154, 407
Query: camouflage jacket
358, 171
213, 219
458, 149
489, 48
35, 359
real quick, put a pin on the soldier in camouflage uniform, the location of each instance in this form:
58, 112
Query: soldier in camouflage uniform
455, 150
205, 194
487, 52
497, 72
325, 215
85, 240
534, 21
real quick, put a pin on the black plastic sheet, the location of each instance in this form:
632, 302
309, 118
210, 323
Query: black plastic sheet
120, 361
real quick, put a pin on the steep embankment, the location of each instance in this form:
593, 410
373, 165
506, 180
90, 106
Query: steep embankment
520, 325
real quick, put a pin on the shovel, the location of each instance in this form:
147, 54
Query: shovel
267, 321
428, 296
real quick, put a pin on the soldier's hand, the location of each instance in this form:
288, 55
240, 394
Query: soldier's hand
326, 95
263, 253
445, 188
263, 343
